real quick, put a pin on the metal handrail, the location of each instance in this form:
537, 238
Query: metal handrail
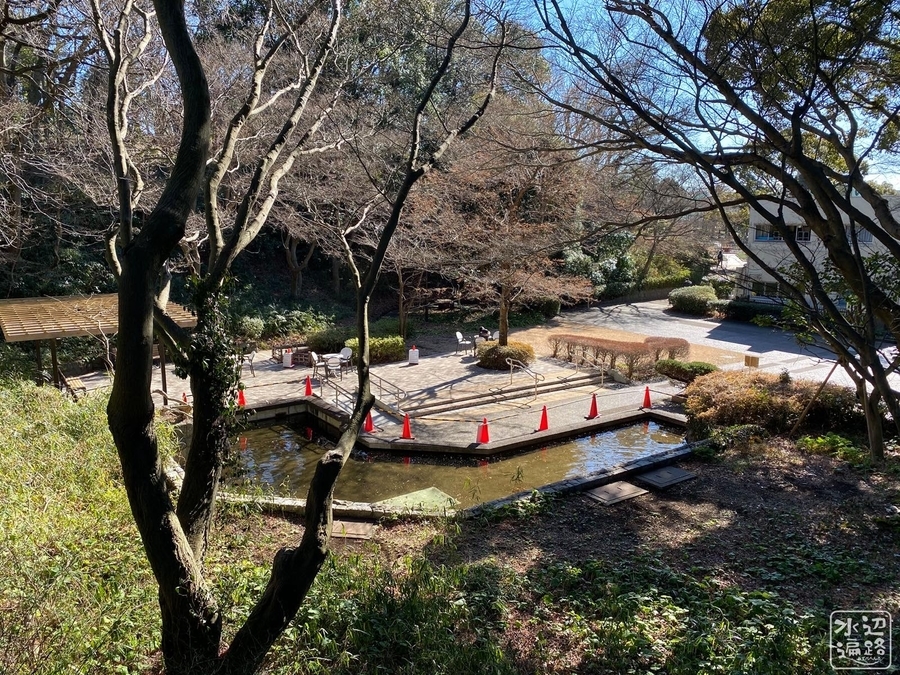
514, 363
346, 399
386, 389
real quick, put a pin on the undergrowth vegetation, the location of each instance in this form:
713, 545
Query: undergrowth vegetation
77, 595
773, 402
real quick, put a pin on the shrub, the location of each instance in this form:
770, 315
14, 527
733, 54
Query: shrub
722, 285
388, 326
547, 306
726, 398
833, 444
684, 371
728, 438
381, 349
673, 280
693, 299
674, 348
249, 327
744, 310
493, 356
329, 340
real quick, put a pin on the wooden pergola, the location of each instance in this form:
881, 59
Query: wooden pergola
51, 318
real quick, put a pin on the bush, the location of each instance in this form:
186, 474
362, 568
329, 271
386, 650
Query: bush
381, 349
547, 306
726, 398
493, 356
388, 326
744, 310
693, 299
329, 340
292, 322
728, 438
722, 285
674, 280
833, 444
675, 348
684, 371
249, 327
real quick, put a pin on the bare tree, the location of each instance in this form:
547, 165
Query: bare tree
175, 536
780, 103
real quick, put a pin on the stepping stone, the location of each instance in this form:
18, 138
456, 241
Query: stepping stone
612, 493
665, 476
346, 529
429, 499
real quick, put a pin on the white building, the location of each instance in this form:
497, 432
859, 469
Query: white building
767, 243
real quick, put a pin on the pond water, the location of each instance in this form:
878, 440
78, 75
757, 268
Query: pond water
281, 458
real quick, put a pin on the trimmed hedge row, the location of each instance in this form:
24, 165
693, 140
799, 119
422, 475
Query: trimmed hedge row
744, 310
684, 371
630, 354
381, 349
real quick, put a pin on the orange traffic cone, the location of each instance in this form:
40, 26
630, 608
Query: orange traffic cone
544, 422
308, 391
243, 442
593, 413
646, 398
484, 436
184, 396
242, 401
309, 433
407, 432
369, 426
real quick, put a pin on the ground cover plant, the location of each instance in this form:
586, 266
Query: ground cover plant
735, 571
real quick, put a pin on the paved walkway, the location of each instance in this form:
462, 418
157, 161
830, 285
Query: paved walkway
778, 350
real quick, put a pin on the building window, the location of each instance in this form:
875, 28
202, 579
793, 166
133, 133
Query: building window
766, 233
766, 289
864, 236
769, 233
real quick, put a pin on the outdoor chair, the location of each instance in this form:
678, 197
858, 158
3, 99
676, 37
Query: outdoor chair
333, 367
496, 335
460, 342
248, 358
315, 363
346, 358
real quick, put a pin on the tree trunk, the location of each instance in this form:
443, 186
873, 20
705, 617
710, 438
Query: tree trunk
336, 275
504, 315
402, 306
873, 422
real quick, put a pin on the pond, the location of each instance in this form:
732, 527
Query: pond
280, 457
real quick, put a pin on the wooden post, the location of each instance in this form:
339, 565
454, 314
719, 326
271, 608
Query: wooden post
40, 365
55, 362
162, 371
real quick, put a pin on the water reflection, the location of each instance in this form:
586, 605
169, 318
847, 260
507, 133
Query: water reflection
281, 457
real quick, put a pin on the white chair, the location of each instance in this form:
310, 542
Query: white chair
496, 335
315, 363
460, 342
346, 358
334, 367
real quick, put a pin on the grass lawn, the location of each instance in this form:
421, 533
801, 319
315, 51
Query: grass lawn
735, 571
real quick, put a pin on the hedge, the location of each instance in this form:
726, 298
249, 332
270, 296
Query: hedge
744, 310
493, 356
684, 371
629, 355
330, 340
381, 349
693, 299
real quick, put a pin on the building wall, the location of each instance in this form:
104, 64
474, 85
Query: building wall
756, 284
